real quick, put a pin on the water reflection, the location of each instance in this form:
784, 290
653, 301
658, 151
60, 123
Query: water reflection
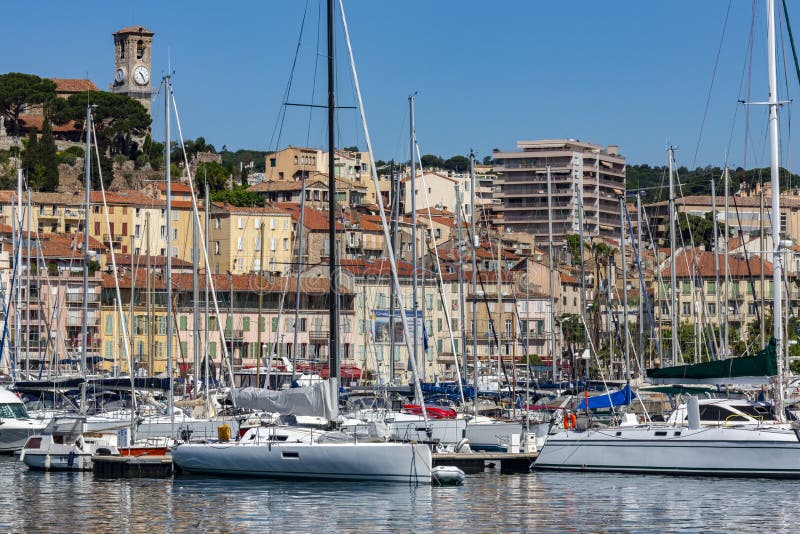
537, 502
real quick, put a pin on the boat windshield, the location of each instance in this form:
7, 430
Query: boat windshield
756, 412
15, 410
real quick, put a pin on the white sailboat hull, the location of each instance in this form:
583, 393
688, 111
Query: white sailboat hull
492, 435
770, 452
15, 432
387, 462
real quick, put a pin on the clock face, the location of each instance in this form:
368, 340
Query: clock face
141, 75
120, 75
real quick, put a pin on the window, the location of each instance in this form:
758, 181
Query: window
711, 288
258, 244
163, 232
109, 324
174, 233
272, 162
139, 49
216, 248
285, 223
240, 223
687, 308
216, 223
274, 324
174, 252
509, 326
137, 231
271, 223
239, 243
257, 224
752, 308
257, 264
712, 309
429, 301
783, 222
212, 349
183, 323
212, 324
285, 243
262, 323
272, 244
686, 287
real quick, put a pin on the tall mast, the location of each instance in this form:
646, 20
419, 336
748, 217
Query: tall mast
726, 342
261, 307
462, 311
28, 290
550, 249
639, 219
673, 284
474, 250
777, 272
393, 211
87, 188
583, 275
168, 271
300, 223
196, 299
762, 248
626, 326
333, 297
716, 263
207, 264
498, 332
414, 248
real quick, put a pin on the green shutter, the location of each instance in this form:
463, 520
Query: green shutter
246, 324
184, 348
274, 324
109, 323
184, 322
212, 349
262, 321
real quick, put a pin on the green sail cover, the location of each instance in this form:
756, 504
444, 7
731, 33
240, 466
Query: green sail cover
745, 370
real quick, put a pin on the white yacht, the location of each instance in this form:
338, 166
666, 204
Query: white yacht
15, 424
63, 446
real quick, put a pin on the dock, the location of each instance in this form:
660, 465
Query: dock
132, 466
476, 462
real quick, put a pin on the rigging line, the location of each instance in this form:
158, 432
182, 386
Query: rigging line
711, 85
277, 129
791, 39
749, 79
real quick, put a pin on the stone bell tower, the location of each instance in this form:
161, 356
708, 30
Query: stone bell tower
132, 63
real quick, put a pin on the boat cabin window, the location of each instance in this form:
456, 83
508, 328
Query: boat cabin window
713, 412
33, 443
661, 433
12, 410
756, 412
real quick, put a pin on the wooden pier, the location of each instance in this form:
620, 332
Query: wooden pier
132, 466
476, 462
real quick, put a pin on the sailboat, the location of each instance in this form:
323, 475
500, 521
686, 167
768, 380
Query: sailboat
290, 451
769, 450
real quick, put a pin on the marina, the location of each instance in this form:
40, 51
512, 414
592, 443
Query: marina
551, 338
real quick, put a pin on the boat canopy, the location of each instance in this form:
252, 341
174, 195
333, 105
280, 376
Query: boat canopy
317, 400
607, 400
754, 370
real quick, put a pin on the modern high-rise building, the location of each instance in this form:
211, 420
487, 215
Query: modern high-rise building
575, 166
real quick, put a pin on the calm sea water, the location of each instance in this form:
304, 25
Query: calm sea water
489, 502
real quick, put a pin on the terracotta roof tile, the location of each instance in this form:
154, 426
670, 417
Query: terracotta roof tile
73, 85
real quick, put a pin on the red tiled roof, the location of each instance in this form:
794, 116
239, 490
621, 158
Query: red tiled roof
177, 187
73, 85
568, 279
37, 121
268, 209
312, 219
135, 29
703, 264
124, 260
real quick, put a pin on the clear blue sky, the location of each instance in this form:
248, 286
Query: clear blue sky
487, 74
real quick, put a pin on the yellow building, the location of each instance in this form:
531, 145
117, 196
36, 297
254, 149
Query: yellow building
235, 239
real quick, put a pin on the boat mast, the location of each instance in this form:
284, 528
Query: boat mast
550, 249
716, 263
777, 275
333, 339
394, 188
168, 270
87, 188
196, 303
475, 245
300, 223
415, 250
28, 290
762, 248
207, 364
626, 326
673, 292
261, 307
639, 219
727, 267
462, 312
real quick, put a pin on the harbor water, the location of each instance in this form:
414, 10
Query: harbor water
488, 502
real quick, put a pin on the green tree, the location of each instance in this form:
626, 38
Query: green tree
243, 177
44, 174
18, 90
457, 164
215, 174
699, 229
429, 161
240, 196
574, 248
118, 120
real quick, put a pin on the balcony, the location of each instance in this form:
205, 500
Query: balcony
235, 335
73, 298
318, 336
116, 239
74, 213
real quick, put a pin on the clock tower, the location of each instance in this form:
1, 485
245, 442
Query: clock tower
132, 63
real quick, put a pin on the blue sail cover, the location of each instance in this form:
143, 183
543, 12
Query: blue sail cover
617, 398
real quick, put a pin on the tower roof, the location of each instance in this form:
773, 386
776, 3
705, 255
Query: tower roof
141, 30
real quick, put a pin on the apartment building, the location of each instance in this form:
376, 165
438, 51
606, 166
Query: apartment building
575, 167
235, 238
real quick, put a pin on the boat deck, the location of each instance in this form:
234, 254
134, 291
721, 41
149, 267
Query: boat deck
132, 466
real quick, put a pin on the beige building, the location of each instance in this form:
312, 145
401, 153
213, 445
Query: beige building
574, 166
235, 237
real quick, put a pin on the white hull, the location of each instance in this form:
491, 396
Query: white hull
58, 462
771, 452
15, 432
388, 462
161, 426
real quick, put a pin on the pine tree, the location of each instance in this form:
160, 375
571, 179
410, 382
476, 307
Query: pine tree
243, 176
48, 160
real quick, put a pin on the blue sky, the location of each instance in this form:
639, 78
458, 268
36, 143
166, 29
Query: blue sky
487, 74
